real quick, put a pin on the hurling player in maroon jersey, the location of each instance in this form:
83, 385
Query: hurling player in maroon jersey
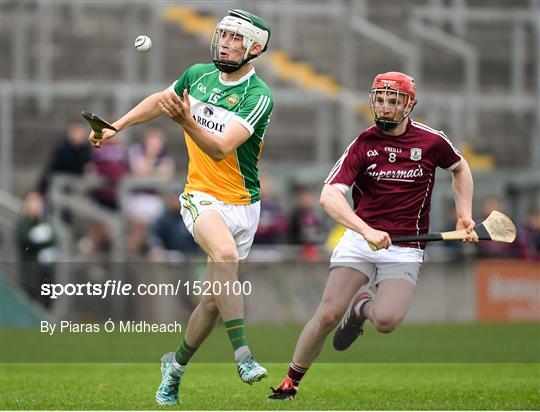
390, 168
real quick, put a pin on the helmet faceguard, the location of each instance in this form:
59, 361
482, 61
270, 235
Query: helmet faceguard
251, 28
392, 98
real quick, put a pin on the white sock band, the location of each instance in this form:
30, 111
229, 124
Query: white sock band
241, 353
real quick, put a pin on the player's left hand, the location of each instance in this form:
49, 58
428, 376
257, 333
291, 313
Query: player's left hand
468, 224
177, 109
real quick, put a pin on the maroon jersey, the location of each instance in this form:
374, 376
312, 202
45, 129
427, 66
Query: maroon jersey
392, 176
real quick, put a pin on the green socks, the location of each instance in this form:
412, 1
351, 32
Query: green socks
184, 353
236, 331
237, 335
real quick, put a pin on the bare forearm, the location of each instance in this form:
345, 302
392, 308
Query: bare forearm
462, 185
208, 142
336, 205
146, 110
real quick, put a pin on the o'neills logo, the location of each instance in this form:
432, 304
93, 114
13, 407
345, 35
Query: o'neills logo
209, 124
400, 174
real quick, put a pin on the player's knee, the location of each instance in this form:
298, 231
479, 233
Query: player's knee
384, 327
386, 323
328, 319
225, 253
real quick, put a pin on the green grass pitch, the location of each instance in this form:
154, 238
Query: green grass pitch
467, 367
327, 386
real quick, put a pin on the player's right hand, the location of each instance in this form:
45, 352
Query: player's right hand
377, 239
97, 140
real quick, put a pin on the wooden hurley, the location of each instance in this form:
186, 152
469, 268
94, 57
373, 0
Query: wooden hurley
497, 227
97, 123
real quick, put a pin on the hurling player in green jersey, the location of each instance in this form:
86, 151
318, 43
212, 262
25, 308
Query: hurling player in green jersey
219, 190
224, 109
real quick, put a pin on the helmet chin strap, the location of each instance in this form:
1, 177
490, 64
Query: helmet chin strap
227, 66
387, 125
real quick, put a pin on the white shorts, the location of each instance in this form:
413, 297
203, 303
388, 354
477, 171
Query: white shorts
242, 220
395, 262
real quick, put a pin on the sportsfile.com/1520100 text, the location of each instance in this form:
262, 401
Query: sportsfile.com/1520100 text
120, 288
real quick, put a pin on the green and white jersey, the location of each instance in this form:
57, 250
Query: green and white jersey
214, 103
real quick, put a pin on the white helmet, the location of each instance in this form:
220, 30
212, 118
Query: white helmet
252, 28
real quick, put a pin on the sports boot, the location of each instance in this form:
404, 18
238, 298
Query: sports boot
250, 371
285, 391
351, 326
167, 393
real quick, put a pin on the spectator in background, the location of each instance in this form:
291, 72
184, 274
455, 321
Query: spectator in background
70, 156
143, 207
306, 225
529, 236
487, 249
36, 242
169, 238
109, 162
272, 227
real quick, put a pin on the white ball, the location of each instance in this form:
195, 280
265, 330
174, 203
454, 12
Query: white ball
143, 43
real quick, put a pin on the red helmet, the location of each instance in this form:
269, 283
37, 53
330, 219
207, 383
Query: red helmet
392, 83
395, 81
